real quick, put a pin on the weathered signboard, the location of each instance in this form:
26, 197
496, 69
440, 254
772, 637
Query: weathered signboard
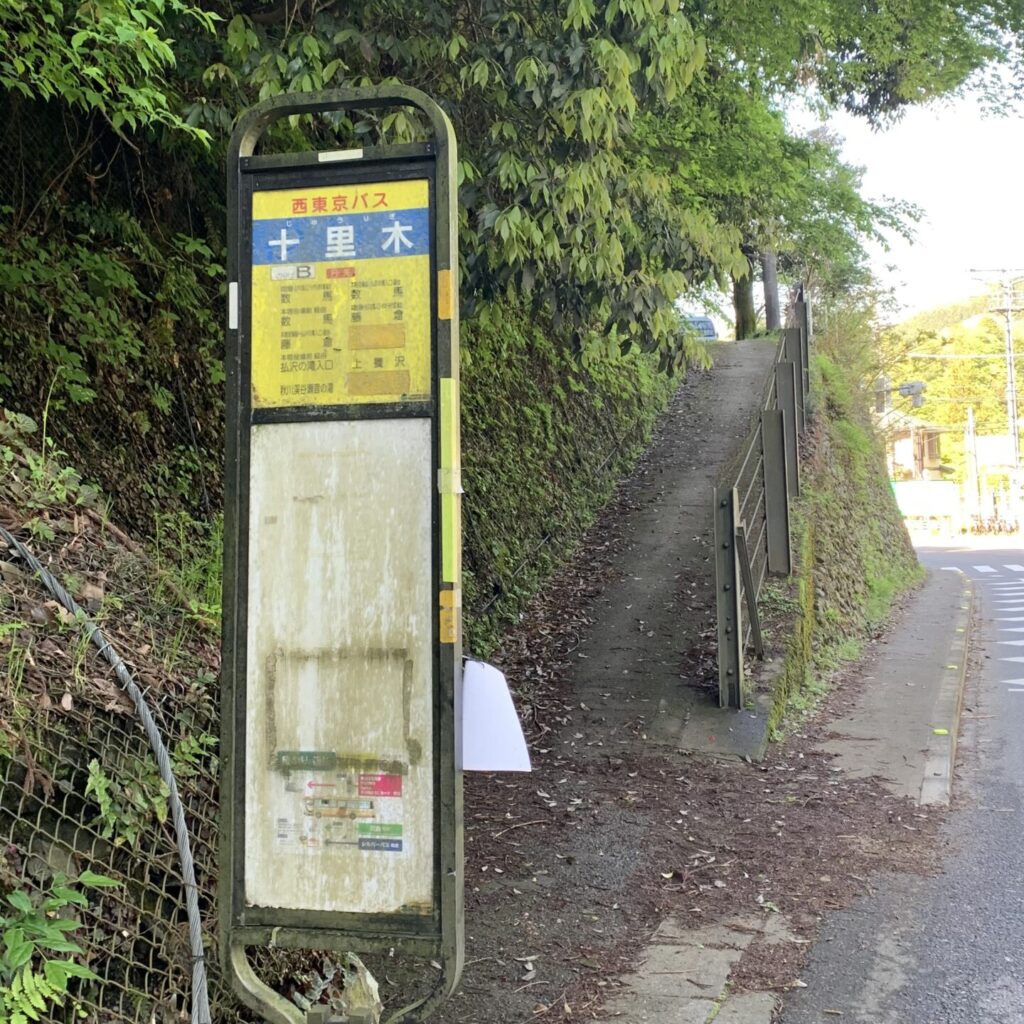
342, 803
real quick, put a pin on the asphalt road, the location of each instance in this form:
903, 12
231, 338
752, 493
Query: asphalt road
949, 949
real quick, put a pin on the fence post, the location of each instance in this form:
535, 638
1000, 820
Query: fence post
776, 491
802, 312
728, 598
743, 558
786, 389
808, 326
794, 350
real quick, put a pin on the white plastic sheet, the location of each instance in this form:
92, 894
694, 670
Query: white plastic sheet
492, 737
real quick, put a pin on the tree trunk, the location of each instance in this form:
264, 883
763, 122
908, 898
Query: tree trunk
743, 305
770, 278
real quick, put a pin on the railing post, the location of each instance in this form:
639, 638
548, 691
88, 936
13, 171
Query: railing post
776, 491
794, 349
728, 597
808, 326
801, 313
747, 575
786, 389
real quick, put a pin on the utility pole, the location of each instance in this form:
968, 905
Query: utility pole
1011, 377
1008, 309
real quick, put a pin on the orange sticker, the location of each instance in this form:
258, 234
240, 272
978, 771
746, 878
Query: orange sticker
451, 605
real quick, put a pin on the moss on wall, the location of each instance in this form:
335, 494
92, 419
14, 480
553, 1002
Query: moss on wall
853, 556
546, 437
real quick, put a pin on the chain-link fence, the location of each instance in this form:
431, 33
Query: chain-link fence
80, 790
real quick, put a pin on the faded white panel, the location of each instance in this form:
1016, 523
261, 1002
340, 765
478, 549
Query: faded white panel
339, 788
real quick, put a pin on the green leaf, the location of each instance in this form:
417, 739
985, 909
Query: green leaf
90, 878
68, 895
20, 901
18, 950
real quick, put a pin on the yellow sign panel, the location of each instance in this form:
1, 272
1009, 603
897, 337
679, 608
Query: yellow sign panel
341, 294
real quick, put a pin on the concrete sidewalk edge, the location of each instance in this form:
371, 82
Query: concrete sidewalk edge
937, 785
684, 975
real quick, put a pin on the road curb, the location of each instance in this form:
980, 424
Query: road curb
937, 785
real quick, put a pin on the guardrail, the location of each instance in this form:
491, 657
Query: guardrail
751, 505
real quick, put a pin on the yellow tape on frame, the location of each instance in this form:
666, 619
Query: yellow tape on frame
341, 310
449, 482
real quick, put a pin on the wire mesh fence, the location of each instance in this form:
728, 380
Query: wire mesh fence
83, 809
134, 934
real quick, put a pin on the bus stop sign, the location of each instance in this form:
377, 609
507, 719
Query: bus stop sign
341, 798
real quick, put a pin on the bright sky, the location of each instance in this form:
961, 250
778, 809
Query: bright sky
966, 172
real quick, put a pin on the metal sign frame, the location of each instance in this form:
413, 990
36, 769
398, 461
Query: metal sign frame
438, 935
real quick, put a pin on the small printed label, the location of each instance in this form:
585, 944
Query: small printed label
287, 832
380, 785
381, 845
449, 618
310, 760
295, 272
380, 830
444, 295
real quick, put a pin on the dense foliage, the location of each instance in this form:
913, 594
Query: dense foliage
615, 154
545, 439
959, 354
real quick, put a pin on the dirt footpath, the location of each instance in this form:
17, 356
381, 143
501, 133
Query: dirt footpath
568, 869
646, 669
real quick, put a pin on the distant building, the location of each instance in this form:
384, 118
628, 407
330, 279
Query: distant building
912, 446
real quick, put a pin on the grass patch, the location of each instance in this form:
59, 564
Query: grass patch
852, 554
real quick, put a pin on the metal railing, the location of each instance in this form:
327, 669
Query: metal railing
751, 505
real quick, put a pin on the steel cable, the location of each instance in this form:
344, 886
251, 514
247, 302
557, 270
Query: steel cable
200, 992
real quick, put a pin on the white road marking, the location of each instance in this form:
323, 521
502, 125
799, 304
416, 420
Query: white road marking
1012, 682
983, 568
1011, 659
1013, 643
1011, 629
1014, 568
951, 568
1017, 689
